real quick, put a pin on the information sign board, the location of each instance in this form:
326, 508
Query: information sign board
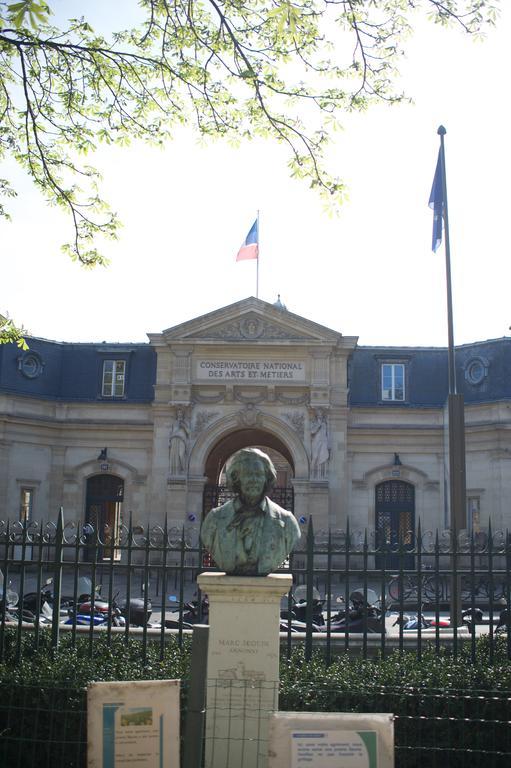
327, 740
133, 724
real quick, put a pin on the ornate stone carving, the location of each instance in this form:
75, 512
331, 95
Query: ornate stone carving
228, 332
198, 397
292, 400
272, 331
297, 421
250, 328
250, 417
202, 420
249, 399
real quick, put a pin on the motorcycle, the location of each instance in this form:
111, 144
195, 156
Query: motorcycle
472, 616
190, 615
137, 613
299, 610
34, 602
94, 609
419, 620
362, 614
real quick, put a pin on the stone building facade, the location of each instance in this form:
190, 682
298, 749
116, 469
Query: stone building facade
358, 432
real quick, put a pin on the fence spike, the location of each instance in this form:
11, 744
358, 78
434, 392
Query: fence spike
57, 580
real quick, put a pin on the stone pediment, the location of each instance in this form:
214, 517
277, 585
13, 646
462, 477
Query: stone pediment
252, 320
251, 327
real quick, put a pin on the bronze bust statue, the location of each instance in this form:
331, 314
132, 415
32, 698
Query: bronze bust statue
250, 535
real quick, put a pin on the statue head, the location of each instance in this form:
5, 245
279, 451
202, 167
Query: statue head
241, 464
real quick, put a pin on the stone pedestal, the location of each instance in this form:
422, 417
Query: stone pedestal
243, 666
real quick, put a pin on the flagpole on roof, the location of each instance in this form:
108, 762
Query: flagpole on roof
258, 256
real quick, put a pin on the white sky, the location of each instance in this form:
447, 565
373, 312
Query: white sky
369, 272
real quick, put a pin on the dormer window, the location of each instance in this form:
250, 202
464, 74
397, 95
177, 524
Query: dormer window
393, 382
114, 378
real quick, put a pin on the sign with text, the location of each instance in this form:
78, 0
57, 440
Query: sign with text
250, 370
325, 740
133, 724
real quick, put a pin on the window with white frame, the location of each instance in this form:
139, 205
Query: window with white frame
114, 378
393, 382
26, 504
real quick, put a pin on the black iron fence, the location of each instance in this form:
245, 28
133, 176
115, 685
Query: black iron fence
353, 590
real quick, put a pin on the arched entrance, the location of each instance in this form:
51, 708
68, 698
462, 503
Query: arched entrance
395, 522
215, 491
104, 497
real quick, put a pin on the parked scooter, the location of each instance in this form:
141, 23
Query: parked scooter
299, 609
472, 616
94, 609
138, 612
419, 620
33, 602
363, 614
190, 615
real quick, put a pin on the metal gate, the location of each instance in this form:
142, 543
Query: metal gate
395, 523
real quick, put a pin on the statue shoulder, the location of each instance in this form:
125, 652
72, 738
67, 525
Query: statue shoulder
287, 517
278, 511
222, 512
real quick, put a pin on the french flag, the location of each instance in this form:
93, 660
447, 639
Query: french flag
250, 246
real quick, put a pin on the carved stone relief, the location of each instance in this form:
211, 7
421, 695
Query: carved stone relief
253, 398
250, 417
250, 328
202, 419
199, 397
297, 421
292, 399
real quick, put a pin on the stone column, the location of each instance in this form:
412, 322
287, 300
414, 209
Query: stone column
243, 666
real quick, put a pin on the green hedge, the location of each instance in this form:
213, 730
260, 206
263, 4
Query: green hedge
43, 697
450, 712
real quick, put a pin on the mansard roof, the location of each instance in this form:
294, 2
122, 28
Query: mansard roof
72, 371
427, 373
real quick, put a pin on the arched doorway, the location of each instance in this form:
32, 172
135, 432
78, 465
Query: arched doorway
395, 523
104, 497
215, 490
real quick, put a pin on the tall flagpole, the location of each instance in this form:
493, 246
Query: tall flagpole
258, 256
450, 325
456, 410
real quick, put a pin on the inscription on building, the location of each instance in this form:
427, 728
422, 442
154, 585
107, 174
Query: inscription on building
250, 370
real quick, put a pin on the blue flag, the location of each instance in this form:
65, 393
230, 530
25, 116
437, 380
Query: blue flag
437, 202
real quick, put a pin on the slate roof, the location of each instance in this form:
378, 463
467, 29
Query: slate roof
73, 372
